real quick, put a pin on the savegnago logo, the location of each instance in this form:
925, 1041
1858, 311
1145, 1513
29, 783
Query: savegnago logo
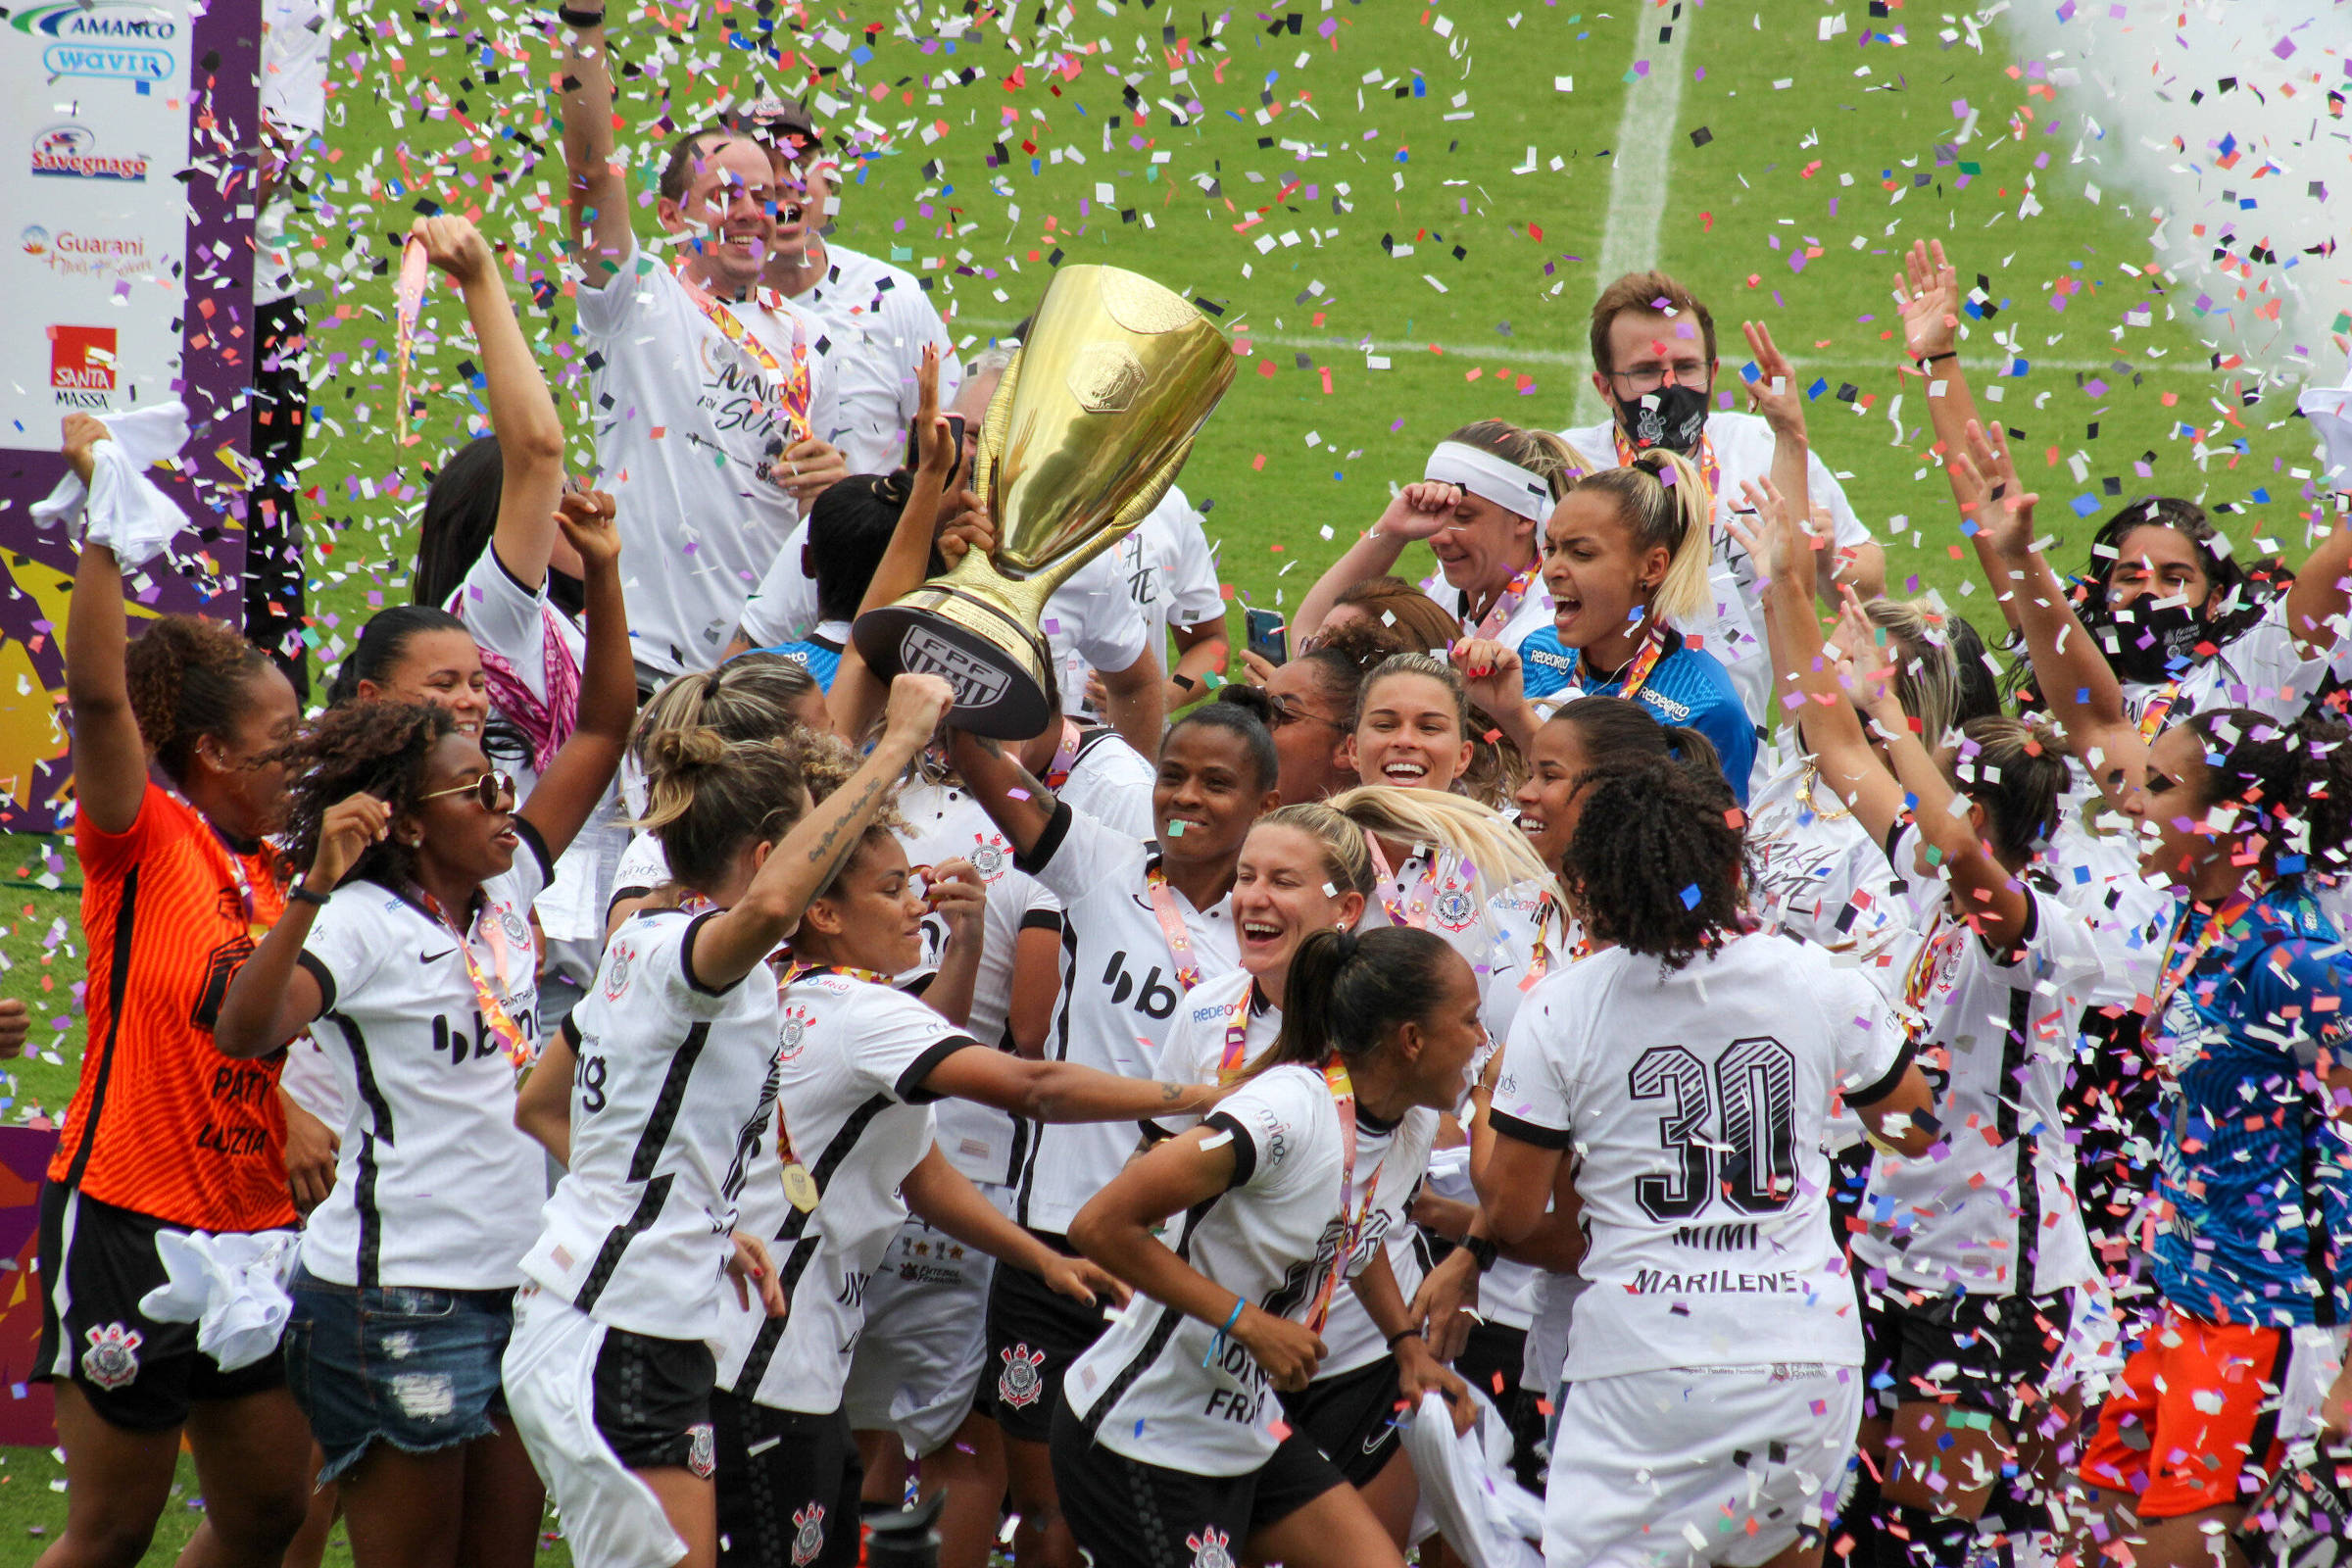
129, 39
70, 152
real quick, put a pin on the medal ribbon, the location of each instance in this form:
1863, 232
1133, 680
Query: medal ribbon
872, 977
1507, 603
493, 1009
1636, 674
1352, 1216
1171, 926
1237, 1035
1065, 755
2177, 973
1708, 468
2159, 707
1407, 910
1920, 978
792, 390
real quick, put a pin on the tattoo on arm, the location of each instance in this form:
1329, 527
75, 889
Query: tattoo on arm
1169, 1094
829, 851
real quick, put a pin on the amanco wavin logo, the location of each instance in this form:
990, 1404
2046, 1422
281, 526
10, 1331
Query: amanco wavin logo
128, 40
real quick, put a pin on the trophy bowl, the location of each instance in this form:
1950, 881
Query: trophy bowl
1088, 428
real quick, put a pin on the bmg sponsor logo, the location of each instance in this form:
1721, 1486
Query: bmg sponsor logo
126, 40
70, 152
81, 366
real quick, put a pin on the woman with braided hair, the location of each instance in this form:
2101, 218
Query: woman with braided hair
177, 787
1689, 1063
408, 949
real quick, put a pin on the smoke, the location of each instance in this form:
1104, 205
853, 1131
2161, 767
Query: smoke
2222, 124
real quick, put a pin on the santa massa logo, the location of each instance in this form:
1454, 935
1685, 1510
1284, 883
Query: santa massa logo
81, 366
70, 152
123, 39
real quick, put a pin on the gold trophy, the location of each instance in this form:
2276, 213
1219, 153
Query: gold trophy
1087, 430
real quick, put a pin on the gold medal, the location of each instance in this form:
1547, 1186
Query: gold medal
800, 1188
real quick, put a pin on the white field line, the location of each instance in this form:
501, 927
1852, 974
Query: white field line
1644, 162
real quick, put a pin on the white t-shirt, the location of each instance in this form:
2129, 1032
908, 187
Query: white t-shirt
1089, 622
2263, 667
683, 418
1170, 571
435, 1186
1534, 614
1670, 1089
855, 1056
943, 822
1732, 628
1995, 1039
1111, 782
295, 34
1141, 1388
1819, 876
876, 319
674, 1089
1120, 997
512, 623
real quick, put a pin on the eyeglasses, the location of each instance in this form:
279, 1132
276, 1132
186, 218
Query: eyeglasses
1286, 712
488, 790
1640, 383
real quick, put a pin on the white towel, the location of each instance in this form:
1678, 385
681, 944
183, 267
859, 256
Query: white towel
2329, 410
1468, 1493
232, 1287
122, 508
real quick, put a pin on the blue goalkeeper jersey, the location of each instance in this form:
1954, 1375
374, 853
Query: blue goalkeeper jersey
2252, 1170
1687, 686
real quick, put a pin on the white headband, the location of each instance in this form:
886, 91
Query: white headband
1489, 479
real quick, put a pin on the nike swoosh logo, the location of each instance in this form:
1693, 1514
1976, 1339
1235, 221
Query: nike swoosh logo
434, 958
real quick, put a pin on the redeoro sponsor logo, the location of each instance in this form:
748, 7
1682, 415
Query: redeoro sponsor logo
70, 151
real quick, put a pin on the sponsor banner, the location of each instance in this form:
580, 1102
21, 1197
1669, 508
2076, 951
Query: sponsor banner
128, 282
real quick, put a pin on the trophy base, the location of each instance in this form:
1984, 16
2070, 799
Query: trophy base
996, 665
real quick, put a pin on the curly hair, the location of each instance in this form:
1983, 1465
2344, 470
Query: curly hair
2295, 781
1611, 728
382, 748
1658, 860
187, 677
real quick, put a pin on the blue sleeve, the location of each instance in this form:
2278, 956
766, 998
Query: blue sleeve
1724, 722
1543, 664
2299, 994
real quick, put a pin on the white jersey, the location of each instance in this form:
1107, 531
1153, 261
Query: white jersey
1111, 782
1440, 892
644, 866
672, 1090
1224, 1026
686, 407
1818, 875
2263, 667
1532, 615
1141, 1390
1533, 935
1119, 998
435, 1186
853, 1059
1995, 1034
1696, 1102
943, 822
523, 633
1728, 628
877, 321
1170, 571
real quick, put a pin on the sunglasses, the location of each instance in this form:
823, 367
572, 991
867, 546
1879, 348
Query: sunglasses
488, 790
1286, 712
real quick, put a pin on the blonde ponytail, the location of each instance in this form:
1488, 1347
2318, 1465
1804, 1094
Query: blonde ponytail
1496, 852
1664, 503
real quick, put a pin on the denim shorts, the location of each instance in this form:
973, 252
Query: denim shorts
418, 1368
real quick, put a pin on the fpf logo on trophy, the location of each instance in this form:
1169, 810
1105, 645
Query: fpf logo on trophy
81, 366
124, 39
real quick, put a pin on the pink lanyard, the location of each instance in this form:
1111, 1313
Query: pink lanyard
1065, 755
1637, 673
1506, 604
495, 1017
1171, 926
2175, 973
1410, 911
1237, 1035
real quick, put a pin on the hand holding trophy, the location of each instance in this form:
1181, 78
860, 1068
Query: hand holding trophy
1090, 425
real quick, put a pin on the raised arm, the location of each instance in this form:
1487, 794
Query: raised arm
1062, 1091
1417, 511
599, 197
813, 853
582, 770
109, 760
1929, 296
1774, 395
1015, 802
523, 414
271, 998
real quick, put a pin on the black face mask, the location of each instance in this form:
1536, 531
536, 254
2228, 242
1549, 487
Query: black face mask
2153, 642
1674, 417
566, 593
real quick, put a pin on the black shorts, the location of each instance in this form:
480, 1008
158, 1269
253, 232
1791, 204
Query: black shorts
1973, 1351
1491, 1362
1127, 1512
96, 1262
788, 1485
1351, 1418
652, 1401
1033, 1336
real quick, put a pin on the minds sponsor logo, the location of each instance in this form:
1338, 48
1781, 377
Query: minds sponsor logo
73, 253
70, 152
123, 39
81, 366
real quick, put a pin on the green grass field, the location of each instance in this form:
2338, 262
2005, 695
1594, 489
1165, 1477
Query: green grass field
1398, 212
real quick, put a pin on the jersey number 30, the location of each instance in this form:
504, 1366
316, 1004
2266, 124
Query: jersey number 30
1750, 1157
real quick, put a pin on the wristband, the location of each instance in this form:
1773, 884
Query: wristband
576, 19
298, 893
1401, 1334
1216, 1344
1931, 359
1483, 1251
